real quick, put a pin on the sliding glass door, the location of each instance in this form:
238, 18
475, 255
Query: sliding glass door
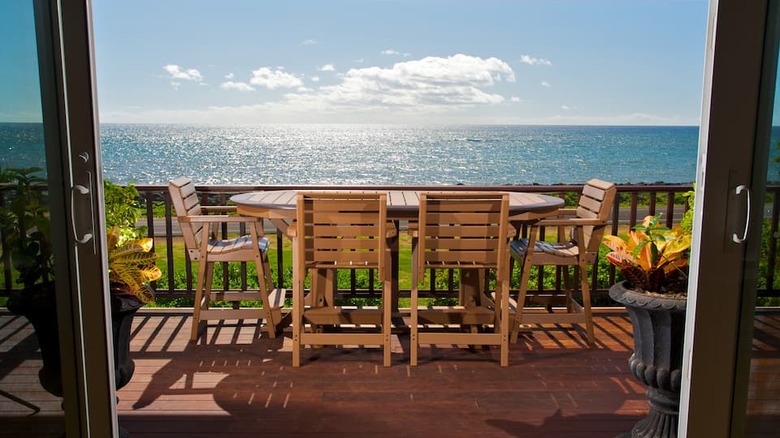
48, 120
730, 383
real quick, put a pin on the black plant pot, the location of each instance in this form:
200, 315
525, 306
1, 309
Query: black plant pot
659, 325
38, 305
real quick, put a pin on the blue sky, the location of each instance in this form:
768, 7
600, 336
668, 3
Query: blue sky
423, 61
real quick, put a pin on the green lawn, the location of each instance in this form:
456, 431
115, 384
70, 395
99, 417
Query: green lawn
179, 263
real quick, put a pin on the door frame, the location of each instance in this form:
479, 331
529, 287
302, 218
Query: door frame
69, 108
730, 155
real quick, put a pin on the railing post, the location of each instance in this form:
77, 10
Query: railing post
169, 239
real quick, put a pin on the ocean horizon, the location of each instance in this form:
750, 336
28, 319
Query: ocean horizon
297, 154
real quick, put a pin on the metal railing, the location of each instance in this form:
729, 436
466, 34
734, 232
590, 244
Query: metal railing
633, 203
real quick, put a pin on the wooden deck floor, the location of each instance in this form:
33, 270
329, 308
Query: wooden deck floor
236, 382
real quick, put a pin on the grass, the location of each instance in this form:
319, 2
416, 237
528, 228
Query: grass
179, 262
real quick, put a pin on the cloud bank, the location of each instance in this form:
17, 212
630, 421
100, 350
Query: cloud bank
431, 84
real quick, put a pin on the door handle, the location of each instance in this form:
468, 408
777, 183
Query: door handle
742, 188
82, 190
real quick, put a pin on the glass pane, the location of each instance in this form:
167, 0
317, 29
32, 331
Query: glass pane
30, 378
763, 409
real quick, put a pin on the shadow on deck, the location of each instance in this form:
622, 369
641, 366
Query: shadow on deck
237, 382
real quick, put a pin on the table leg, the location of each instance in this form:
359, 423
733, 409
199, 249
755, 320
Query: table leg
322, 289
470, 291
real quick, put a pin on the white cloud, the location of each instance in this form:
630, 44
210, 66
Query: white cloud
229, 76
314, 78
431, 81
273, 79
565, 107
327, 67
530, 60
177, 72
408, 91
515, 99
546, 84
309, 42
240, 86
394, 52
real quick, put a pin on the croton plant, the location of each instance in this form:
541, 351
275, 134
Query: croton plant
652, 257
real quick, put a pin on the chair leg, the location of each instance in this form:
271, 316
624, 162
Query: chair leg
387, 313
525, 275
298, 273
276, 305
414, 331
414, 345
504, 322
586, 303
567, 287
196, 305
262, 284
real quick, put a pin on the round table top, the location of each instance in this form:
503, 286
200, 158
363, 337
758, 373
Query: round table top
401, 204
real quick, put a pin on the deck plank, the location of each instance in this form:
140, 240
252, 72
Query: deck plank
237, 382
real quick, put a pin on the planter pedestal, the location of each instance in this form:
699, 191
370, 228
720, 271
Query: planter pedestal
38, 305
123, 309
659, 324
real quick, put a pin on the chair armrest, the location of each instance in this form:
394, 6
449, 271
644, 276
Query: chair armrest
214, 218
562, 213
218, 209
391, 230
292, 230
570, 222
567, 212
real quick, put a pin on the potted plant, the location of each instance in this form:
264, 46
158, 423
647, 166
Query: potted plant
131, 266
26, 242
26, 245
653, 260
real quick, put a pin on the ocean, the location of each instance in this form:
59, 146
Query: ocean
379, 154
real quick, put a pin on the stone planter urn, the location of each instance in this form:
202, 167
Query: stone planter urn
123, 309
659, 324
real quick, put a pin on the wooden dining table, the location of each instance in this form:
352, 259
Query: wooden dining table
278, 206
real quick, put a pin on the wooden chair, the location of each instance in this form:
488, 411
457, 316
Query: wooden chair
579, 248
340, 231
467, 231
199, 229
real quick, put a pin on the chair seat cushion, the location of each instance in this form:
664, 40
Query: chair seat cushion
519, 247
237, 244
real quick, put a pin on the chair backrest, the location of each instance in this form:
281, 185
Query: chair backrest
596, 202
463, 230
185, 203
342, 230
